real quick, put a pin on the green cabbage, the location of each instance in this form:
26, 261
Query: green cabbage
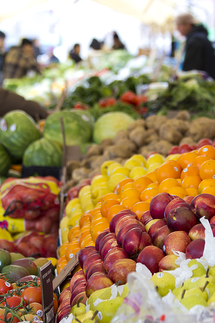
109, 124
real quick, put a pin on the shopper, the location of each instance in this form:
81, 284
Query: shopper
36, 47
75, 53
11, 101
117, 44
20, 60
96, 45
199, 53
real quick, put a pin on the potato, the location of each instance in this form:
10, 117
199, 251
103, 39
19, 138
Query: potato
97, 162
140, 123
119, 151
94, 150
71, 165
69, 185
202, 128
122, 134
183, 115
105, 143
144, 151
94, 172
188, 141
179, 125
128, 143
159, 122
152, 138
150, 121
167, 132
138, 136
163, 147
80, 173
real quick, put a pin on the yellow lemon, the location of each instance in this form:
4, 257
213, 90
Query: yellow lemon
74, 220
138, 171
105, 165
112, 167
100, 185
99, 179
172, 157
140, 157
114, 180
121, 170
133, 162
88, 207
154, 166
99, 193
155, 158
84, 190
64, 235
53, 261
64, 222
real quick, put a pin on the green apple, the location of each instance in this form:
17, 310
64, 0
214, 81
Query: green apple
163, 282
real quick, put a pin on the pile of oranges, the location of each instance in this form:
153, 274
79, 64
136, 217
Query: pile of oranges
188, 174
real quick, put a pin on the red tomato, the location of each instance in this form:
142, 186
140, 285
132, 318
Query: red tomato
31, 295
9, 315
5, 286
12, 301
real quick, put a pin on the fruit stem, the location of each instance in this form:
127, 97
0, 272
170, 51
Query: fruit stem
207, 273
118, 283
77, 320
80, 299
94, 315
182, 295
207, 282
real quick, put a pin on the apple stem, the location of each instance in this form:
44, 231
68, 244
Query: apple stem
207, 273
156, 287
207, 282
118, 283
94, 315
80, 299
182, 295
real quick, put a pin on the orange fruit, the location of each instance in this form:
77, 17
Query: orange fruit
106, 205
85, 227
73, 233
191, 181
61, 259
191, 191
148, 194
174, 163
168, 183
187, 158
178, 191
210, 182
62, 249
94, 212
140, 207
88, 241
209, 190
61, 266
98, 220
153, 185
167, 170
114, 210
207, 150
141, 183
199, 161
109, 196
152, 176
97, 229
128, 202
130, 192
71, 251
189, 171
126, 186
84, 218
82, 236
119, 186
207, 169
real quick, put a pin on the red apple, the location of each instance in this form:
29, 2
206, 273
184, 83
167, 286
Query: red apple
89, 260
112, 256
7, 245
134, 241
125, 229
203, 142
84, 253
99, 238
150, 257
184, 148
77, 298
174, 150
212, 220
203, 205
188, 199
63, 310
176, 241
79, 281
107, 237
181, 219
65, 294
120, 269
146, 217
125, 221
160, 236
97, 281
107, 247
95, 267
195, 249
77, 275
81, 287
175, 203
115, 219
197, 232
155, 227
158, 205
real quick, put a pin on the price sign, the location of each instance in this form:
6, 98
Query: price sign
47, 292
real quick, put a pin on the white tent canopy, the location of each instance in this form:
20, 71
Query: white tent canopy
157, 12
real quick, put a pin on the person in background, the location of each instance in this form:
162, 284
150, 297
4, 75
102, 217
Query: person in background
19, 61
52, 57
117, 44
199, 53
75, 53
2, 54
96, 45
11, 101
36, 47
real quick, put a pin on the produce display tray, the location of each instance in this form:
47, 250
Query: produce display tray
41, 171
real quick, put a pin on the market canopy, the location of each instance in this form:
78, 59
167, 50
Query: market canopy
157, 12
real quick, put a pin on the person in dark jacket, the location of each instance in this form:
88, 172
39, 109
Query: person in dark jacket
11, 101
75, 53
117, 44
199, 53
